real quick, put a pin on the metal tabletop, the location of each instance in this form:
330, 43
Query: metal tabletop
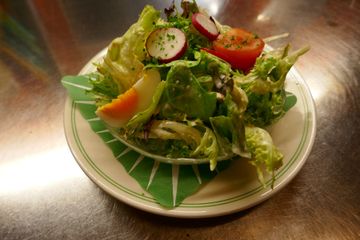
44, 194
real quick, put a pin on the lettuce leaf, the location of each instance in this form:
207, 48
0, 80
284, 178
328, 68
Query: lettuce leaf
208, 147
264, 154
223, 128
103, 88
211, 65
270, 70
230, 134
123, 61
228, 127
264, 86
184, 95
265, 109
143, 117
191, 135
189, 63
172, 148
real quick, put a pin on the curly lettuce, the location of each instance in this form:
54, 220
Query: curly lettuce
143, 117
103, 88
185, 95
123, 61
169, 138
264, 86
264, 154
208, 147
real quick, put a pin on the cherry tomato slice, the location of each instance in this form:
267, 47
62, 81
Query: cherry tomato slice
238, 47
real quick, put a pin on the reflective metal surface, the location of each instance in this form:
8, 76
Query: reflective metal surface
45, 195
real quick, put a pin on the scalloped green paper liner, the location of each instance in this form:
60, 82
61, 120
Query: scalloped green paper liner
169, 184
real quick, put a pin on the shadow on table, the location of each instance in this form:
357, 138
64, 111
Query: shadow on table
151, 218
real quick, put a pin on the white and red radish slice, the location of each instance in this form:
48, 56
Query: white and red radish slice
205, 25
166, 44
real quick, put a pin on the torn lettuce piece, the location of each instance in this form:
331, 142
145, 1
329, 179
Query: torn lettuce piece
270, 71
189, 8
208, 147
230, 135
143, 117
220, 72
264, 86
103, 88
189, 134
265, 109
211, 65
123, 61
264, 154
223, 128
189, 63
172, 148
240, 98
206, 82
185, 137
228, 127
184, 96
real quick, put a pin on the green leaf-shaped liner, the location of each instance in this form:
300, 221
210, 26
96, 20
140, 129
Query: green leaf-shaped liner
290, 101
169, 184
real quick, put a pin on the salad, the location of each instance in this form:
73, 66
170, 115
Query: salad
186, 86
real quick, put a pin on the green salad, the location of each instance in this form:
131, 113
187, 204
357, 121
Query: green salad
185, 86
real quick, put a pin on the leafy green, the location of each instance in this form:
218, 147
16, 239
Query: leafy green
142, 117
189, 63
238, 130
180, 130
189, 8
208, 147
212, 65
172, 148
223, 127
264, 154
270, 70
206, 82
182, 21
229, 128
185, 95
265, 109
265, 86
123, 61
220, 72
230, 135
240, 99
103, 88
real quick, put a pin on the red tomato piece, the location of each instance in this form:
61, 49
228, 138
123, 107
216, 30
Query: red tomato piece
239, 48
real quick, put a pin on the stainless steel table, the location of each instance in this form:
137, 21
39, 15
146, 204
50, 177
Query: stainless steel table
45, 195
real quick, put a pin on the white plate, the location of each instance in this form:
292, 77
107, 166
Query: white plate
234, 189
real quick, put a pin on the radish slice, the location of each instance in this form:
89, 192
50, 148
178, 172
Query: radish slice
205, 26
166, 44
